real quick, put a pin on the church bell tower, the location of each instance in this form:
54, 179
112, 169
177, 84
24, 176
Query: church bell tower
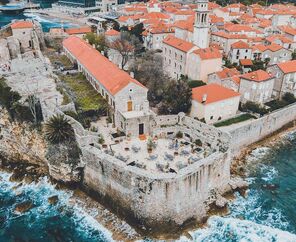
201, 24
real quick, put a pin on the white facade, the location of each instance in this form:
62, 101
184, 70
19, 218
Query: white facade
24, 36
201, 25
216, 111
258, 92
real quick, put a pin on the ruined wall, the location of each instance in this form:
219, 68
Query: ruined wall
260, 128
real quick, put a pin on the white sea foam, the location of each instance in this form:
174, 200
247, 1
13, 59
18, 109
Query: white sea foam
269, 173
40, 192
230, 229
258, 154
39, 18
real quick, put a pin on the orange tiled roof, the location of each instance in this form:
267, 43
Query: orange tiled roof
178, 43
107, 73
246, 62
240, 45
22, 25
80, 30
208, 53
230, 36
227, 72
112, 32
288, 67
288, 30
214, 93
257, 76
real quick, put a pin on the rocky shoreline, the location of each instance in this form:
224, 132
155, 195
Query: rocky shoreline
30, 170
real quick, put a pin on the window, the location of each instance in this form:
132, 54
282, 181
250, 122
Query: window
130, 90
211, 117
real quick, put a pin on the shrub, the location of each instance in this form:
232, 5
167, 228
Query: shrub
198, 142
58, 129
289, 97
234, 120
254, 107
179, 135
101, 139
195, 83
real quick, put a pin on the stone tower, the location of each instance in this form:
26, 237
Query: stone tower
201, 25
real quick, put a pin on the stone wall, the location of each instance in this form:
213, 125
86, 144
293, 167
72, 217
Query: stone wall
262, 127
165, 199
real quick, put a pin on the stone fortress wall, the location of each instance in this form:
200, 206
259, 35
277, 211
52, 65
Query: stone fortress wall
158, 198
258, 129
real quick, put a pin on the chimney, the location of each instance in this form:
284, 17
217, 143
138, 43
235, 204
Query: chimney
87, 41
204, 98
132, 74
102, 52
94, 46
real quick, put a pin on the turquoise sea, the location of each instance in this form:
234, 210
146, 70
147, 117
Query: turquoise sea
46, 22
266, 214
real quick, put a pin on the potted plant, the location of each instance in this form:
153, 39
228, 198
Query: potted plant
150, 145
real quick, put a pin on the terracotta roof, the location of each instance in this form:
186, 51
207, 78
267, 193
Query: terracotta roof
208, 53
288, 67
80, 30
274, 47
246, 62
185, 24
288, 30
240, 45
257, 76
230, 36
112, 32
107, 73
178, 43
22, 25
213, 92
227, 72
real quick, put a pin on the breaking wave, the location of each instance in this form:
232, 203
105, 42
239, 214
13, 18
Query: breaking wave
53, 222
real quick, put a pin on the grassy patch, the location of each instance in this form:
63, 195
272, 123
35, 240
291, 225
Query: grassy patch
235, 120
87, 98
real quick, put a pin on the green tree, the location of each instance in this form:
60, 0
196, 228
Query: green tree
177, 97
58, 130
99, 41
294, 55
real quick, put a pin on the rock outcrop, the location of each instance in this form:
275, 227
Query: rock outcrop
64, 162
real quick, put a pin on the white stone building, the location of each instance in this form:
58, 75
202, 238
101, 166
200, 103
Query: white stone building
202, 62
22, 31
239, 50
201, 24
175, 54
285, 77
256, 86
127, 97
213, 103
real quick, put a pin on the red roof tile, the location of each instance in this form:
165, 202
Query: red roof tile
213, 92
112, 32
240, 45
246, 62
178, 43
208, 53
257, 76
81, 30
288, 67
107, 73
22, 25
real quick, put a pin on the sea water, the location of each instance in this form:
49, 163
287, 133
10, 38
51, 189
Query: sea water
46, 22
267, 213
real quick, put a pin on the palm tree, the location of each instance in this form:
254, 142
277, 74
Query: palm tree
58, 129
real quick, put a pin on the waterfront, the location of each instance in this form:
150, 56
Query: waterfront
267, 213
46, 22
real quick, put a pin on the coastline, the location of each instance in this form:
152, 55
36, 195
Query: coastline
120, 229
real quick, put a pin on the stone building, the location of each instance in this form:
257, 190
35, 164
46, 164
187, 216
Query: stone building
175, 53
213, 103
256, 86
285, 77
202, 62
239, 50
125, 95
22, 31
